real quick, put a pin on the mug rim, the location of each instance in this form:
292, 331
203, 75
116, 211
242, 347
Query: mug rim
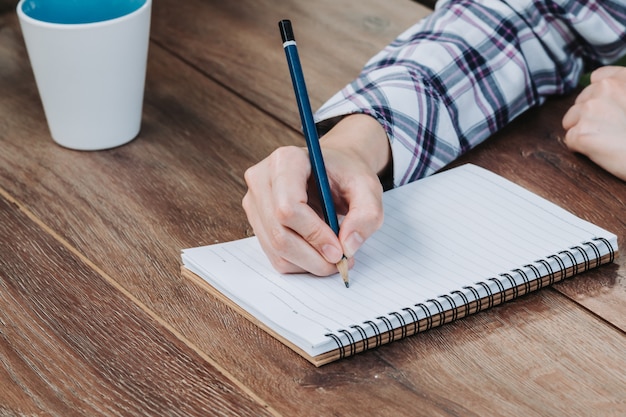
42, 23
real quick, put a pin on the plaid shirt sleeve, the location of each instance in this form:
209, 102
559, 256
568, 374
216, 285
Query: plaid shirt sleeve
465, 71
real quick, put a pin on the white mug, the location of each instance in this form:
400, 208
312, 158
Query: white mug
89, 60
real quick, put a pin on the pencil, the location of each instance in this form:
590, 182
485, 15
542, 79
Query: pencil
312, 139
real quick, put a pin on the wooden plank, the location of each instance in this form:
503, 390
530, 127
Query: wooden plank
238, 44
528, 358
71, 343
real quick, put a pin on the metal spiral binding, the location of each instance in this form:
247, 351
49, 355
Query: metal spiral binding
439, 317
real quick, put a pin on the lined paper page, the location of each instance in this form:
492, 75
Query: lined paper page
442, 233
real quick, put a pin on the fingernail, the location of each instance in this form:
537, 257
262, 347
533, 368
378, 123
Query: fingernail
352, 244
332, 253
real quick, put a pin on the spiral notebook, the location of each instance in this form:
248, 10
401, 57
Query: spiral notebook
451, 245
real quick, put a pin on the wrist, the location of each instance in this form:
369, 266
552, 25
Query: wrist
363, 136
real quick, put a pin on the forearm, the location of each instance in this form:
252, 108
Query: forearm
467, 70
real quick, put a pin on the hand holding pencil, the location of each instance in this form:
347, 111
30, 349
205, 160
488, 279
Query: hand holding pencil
312, 140
291, 233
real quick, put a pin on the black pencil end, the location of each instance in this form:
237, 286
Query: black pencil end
286, 31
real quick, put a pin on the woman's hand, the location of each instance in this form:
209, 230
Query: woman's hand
596, 123
280, 198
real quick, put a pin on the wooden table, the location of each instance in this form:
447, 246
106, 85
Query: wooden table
95, 318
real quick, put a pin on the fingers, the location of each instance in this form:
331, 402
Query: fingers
596, 124
365, 214
588, 124
290, 232
609, 71
359, 147
279, 200
604, 93
571, 118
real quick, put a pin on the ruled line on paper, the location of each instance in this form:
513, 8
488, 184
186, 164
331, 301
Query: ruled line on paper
448, 231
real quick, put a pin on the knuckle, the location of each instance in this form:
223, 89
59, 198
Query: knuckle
282, 266
576, 139
325, 270
374, 211
279, 240
314, 234
284, 213
249, 175
246, 202
372, 217
284, 153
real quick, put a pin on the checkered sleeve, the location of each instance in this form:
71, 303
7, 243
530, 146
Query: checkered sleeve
469, 68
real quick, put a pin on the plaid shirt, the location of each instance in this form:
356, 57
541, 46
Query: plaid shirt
465, 71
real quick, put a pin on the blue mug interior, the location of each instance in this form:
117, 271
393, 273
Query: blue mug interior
79, 11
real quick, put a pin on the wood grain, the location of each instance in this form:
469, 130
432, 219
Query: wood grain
537, 341
209, 114
239, 44
72, 344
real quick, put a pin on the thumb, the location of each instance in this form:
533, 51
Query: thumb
365, 216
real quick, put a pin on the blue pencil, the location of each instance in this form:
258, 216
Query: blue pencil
310, 134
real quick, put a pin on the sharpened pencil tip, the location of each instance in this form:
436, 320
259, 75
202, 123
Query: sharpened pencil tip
342, 266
